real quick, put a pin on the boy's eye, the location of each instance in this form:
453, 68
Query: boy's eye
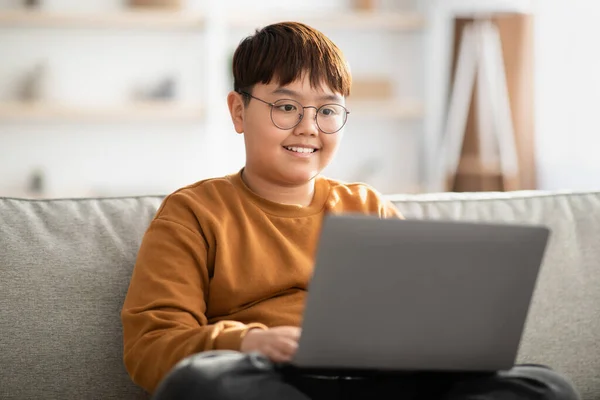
328, 111
286, 107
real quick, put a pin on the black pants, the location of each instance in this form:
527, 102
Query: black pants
228, 375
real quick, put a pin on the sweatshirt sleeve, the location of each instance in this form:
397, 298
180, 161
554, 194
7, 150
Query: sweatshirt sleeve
163, 315
385, 207
389, 210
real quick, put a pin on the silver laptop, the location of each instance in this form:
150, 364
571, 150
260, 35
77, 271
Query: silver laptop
419, 295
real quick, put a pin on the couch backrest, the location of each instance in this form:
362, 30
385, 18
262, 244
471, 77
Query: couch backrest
563, 327
65, 267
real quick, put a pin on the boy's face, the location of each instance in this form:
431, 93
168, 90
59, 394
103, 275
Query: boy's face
276, 154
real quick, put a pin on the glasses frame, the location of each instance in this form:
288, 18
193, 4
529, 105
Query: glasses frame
317, 109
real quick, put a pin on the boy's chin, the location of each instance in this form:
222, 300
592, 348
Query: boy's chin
299, 177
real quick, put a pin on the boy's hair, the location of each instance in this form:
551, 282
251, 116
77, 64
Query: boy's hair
285, 51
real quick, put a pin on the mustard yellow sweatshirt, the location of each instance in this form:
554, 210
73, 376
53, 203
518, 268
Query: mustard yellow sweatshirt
217, 260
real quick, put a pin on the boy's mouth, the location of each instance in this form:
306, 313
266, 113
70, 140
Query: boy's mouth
295, 149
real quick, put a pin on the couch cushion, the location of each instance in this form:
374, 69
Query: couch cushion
65, 268
563, 328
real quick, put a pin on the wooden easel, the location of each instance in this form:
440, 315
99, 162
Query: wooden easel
480, 60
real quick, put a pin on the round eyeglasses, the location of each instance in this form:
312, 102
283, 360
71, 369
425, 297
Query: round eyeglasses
287, 114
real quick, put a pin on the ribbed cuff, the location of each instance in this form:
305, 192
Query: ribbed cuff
231, 339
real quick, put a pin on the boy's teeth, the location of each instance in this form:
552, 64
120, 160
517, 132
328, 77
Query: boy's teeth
301, 149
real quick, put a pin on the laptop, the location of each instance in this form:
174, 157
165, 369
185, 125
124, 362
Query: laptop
416, 295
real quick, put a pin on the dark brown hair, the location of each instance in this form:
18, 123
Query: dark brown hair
285, 51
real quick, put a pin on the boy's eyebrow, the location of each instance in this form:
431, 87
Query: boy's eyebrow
293, 93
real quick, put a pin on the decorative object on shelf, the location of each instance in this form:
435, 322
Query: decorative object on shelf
32, 3
165, 89
371, 88
36, 185
33, 85
170, 4
366, 5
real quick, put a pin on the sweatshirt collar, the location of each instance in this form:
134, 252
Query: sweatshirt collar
317, 204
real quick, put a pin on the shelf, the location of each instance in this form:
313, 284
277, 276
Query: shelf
150, 111
152, 19
394, 21
404, 110
133, 19
167, 111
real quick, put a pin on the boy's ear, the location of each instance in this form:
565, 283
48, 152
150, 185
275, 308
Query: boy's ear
235, 101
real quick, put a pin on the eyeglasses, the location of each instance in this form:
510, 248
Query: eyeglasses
287, 114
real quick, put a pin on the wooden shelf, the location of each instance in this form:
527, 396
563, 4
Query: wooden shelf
143, 111
404, 110
394, 21
152, 19
172, 111
132, 19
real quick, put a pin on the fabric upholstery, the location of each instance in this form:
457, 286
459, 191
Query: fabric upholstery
65, 267
563, 328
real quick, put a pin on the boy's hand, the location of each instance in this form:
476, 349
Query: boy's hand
279, 344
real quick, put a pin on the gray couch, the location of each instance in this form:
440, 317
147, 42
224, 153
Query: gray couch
65, 267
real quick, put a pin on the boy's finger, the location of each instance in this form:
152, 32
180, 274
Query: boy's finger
287, 346
292, 332
276, 355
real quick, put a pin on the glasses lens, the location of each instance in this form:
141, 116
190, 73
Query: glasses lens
331, 118
286, 114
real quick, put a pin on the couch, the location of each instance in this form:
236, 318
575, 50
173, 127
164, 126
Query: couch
65, 267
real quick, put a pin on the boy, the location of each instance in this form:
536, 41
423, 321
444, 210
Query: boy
216, 297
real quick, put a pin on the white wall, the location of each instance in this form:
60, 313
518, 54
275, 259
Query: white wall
568, 94
101, 67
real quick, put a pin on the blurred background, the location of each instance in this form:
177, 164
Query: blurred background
128, 97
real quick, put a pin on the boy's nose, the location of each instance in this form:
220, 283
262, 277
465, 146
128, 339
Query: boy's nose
308, 123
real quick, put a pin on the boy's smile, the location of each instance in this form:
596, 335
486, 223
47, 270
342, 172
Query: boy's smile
304, 151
